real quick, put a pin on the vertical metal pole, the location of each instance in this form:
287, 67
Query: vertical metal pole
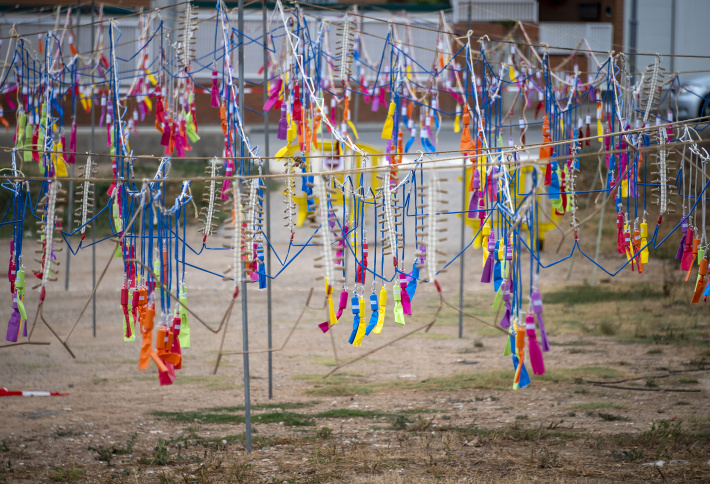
599, 239
69, 224
245, 313
633, 37
93, 136
672, 56
267, 197
70, 215
464, 215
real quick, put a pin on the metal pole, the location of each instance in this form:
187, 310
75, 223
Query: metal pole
464, 215
245, 313
93, 135
267, 199
633, 37
672, 56
599, 239
69, 224
71, 187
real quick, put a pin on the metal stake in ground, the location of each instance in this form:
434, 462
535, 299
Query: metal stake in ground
267, 198
245, 313
93, 137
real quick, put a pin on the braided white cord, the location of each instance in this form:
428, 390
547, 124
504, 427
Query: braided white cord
431, 256
86, 192
325, 233
48, 229
211, 197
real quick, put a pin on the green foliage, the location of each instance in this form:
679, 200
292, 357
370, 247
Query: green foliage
105, 454
583, 294
67, 474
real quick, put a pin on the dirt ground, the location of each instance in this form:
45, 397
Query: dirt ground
429, 408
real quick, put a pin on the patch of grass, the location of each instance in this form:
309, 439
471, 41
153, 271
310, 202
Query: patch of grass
265, 406
349, 413
67, 474
327, 361
577, 342
609, 417
343, 385
654, 351
287, 418
583, 294
222, 415
324, 433
629, 455
65, 433
596, 405
105, 454
608, 328
513, 432
688, 381
199, 416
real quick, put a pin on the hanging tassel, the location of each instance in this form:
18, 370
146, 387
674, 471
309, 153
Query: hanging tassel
537, 308
362, 324
13, 326
72, 144
536, 360
176, 350
375, 314
389, 122
381, 311
273, 95
497, 274
398, 311
214, 100
681, 244
620, 245
457, 119
488, 266
128, 333
505, 320
520, 352
524, 377
406, 302
696, 245
410, 141
466, 146
283, 124
331, 311
700, 284
644, 242
361, 270
296, 109
687, 260
342, 304
355, 304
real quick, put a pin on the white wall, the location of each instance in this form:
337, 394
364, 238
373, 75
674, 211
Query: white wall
691, 34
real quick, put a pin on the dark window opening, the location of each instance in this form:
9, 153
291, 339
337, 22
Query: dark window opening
589, 11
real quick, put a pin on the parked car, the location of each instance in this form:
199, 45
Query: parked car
693, 97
